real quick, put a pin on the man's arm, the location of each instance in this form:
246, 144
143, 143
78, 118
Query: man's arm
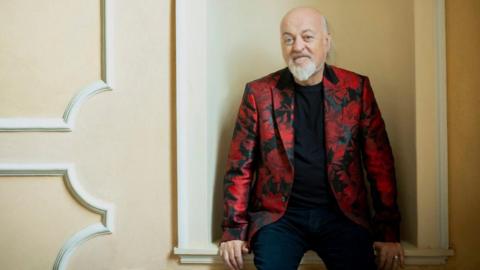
378, 161
240, 170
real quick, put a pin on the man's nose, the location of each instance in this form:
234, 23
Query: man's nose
298, 45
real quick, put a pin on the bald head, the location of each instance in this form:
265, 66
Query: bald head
300, 14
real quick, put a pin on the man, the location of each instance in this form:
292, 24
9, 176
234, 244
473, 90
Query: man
294, 178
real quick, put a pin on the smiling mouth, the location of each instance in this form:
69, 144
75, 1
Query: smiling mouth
300, 57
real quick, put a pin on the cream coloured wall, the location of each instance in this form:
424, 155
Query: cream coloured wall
28, 226
121, 145
124, 150
463, 68
52, 54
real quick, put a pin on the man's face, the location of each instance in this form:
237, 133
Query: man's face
305, 43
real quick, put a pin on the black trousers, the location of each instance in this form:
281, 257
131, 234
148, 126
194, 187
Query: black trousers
340, 243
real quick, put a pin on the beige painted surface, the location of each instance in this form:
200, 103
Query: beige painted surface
121, 147
463, 70
124, 147
49, 50
38, 215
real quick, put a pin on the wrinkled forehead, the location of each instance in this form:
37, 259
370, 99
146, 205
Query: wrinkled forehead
298, 22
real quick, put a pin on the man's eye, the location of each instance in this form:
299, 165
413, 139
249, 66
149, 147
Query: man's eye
308, 38
288, 41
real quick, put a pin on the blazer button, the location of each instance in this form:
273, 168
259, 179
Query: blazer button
284, 198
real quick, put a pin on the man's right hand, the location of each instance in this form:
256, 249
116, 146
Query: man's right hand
231, 252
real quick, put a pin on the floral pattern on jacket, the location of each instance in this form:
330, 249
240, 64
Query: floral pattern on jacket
260, 172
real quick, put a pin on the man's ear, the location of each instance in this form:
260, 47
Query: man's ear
328, 40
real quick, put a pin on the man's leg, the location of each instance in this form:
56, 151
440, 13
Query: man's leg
279, 245
342, 244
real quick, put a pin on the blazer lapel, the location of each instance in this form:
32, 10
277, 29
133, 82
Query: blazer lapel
283, 102
334, 103
333, 98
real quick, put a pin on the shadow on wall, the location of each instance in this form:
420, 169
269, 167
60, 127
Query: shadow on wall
247, 56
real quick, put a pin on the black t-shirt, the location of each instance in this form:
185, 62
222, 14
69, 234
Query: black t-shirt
310, 187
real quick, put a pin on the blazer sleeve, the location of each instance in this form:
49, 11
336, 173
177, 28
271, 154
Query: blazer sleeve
379, 164
240, 170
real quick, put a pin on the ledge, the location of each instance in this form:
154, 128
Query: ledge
413, 256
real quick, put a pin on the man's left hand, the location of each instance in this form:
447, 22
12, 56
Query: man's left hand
390, 255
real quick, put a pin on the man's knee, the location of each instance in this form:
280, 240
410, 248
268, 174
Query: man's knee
275, 255
276, 262
274, 247
351, 247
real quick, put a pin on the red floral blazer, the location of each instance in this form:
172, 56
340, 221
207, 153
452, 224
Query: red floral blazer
260, 170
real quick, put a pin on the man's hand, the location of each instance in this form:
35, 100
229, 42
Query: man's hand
231, 252
386, 254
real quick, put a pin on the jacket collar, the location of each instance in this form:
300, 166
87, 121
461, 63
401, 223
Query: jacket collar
286, 78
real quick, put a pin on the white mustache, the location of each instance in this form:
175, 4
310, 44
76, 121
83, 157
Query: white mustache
295, 57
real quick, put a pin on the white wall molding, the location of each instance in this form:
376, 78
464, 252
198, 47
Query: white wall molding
67, 172
441, 89
191, 120
66, 123
431, 124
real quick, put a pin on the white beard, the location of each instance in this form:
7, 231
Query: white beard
302, 73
